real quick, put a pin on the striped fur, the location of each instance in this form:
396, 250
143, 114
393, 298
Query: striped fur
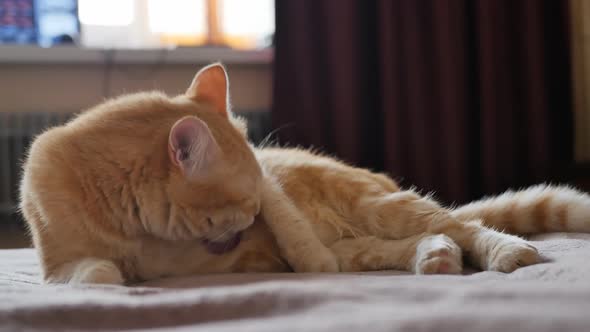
538, 209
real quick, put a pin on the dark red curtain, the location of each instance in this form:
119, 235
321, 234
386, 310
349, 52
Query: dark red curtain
460, 97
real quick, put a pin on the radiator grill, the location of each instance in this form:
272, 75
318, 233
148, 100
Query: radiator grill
16, 133
18, 129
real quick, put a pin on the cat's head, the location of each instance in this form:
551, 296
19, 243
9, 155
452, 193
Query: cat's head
215, 179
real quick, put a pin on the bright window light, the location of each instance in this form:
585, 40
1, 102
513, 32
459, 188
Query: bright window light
106, 12
252, 17
182, 17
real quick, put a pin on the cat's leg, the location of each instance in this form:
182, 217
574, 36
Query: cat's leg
438, 254
402, 214
294, 234
421, 254
87, 271
497, 251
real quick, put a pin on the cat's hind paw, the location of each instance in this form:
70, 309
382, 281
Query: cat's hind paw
513, 255
438, 254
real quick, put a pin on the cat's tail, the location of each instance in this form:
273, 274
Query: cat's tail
538, 209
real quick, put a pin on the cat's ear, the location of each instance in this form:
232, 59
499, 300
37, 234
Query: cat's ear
211, 84
192, 147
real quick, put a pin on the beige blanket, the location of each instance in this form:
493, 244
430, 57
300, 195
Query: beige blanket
553, 296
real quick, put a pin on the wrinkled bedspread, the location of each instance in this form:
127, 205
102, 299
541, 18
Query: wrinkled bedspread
552, 296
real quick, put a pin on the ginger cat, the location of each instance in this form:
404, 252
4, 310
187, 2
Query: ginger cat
147, 186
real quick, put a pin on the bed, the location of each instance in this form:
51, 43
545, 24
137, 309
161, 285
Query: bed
552, 296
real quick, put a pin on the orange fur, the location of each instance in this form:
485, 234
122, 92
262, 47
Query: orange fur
130, 188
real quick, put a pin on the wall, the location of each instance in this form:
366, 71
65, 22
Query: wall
67, 88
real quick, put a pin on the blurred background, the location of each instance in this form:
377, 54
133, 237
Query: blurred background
463, 98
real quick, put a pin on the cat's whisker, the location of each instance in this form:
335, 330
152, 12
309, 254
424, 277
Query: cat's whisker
266, 140
222, 234
227, 230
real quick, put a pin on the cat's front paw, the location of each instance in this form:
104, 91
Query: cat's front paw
438, 254
510, 256
89, 271
319, 259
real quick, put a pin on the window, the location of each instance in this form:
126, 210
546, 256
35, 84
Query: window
159, 23
43, 22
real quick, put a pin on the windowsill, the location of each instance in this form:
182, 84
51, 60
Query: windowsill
21, 54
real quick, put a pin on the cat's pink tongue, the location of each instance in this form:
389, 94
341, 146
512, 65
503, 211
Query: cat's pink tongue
219, 248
